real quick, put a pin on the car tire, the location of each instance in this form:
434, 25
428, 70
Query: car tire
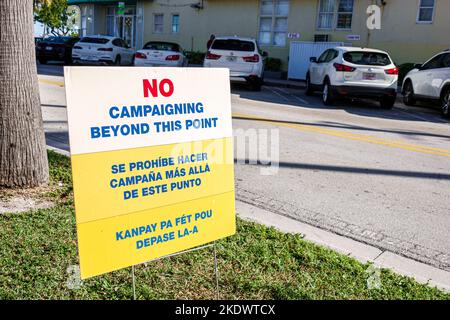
408, 94
387, 102
308, 90
256, 84
42, 61
117, 61
445, 103
327, 93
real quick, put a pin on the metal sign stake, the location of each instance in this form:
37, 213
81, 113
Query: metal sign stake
134, 283
216, 268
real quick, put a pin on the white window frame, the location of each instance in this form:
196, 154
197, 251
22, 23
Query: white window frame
419, 7
154, 23
274, 16
171, 23
335, 13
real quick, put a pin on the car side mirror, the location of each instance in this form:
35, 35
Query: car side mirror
313, 59
418, 66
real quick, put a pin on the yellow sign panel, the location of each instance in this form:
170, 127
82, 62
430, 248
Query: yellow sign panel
152, 162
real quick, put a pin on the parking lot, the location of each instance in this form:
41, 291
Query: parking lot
378, 176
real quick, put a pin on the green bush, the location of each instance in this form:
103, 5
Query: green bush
195, 57
403, 70
273, 64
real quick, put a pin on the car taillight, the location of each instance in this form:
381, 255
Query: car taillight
77, 47
393, 71
105, 49
173, 57
212, 56
343, 68
254, 58
140, 55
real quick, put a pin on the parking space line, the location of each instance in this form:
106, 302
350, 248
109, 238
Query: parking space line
278, 94
420, 117
352, 136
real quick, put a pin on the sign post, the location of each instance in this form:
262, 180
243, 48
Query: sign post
152, 162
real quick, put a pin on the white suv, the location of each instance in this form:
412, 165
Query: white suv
353, 72
241, 55
430, 81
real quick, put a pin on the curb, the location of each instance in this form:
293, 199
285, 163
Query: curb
362, 252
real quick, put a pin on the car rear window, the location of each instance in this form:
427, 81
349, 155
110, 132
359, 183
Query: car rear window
233, 45
94, 40
367, 58
57, 39
162, 46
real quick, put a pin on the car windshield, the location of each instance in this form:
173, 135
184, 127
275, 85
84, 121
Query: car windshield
367, 58
233, 45
162, 46
94, 40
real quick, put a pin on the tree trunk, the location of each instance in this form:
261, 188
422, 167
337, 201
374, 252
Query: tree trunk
23, 155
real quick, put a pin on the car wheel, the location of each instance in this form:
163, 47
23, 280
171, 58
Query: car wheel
408, 94
387, 102
327, 94
445, 103
308, 90
42, 61
117, 61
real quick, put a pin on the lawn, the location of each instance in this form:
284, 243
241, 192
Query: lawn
38, 247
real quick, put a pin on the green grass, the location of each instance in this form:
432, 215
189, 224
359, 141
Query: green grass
37, 247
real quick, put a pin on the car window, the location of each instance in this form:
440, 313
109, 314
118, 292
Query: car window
367, 58
57, 39
323, 56
117, 43
162, 46
434, 63
446, 60
94, 40
332, 54
233, 45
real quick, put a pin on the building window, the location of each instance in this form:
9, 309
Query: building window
175, 23
158, 23
426, 11
273, 22
335, 14
110, 16
345, 14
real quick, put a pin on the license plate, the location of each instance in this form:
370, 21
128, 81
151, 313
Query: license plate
90, 58
49, 48
369, 76
231, 59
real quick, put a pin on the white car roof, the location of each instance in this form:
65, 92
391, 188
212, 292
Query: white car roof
348, 49
234, 37
99, 36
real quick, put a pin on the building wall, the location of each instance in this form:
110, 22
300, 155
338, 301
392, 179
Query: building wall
219, 17
401, 35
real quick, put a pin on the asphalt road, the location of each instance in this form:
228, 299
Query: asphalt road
378, 176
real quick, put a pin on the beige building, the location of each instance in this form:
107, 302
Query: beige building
411, 30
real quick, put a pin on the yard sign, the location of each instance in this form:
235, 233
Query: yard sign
152, 162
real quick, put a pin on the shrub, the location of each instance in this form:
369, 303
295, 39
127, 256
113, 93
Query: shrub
195, 57
273, 64
403, 70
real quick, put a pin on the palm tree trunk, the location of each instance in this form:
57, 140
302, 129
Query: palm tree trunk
23, 156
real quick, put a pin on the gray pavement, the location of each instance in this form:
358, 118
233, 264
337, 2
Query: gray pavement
381, 177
